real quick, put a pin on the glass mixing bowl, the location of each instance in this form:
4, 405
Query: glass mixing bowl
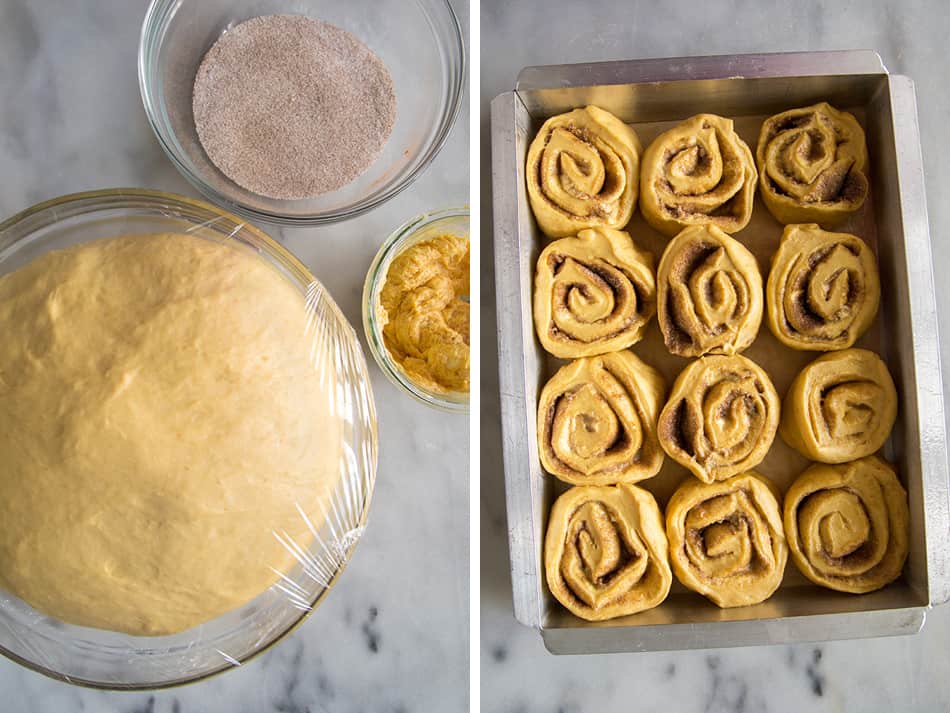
419, 41
108, 659
454, 221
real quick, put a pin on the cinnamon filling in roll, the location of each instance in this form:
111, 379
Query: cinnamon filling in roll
593, 293
596, 421
823, 289
811, 164
626, 295
720, 418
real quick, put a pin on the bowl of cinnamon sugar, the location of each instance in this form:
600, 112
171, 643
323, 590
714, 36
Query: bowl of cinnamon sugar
301, 113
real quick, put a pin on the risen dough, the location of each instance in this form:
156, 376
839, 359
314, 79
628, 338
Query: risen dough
160, 418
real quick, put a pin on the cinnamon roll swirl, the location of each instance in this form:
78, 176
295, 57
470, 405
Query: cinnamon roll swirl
726, 539
823, 289
709, 293
582, 172
697, 173
597, 420
811, 165
840, 407
605, 552
720, 418
593, 294
847, 525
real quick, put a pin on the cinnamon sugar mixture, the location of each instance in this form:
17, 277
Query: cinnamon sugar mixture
290, 107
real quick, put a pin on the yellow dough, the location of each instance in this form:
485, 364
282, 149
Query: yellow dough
823, 289
840, 407
699, 172
811, 165
709, 293
597, 420
605, 553
582, 171
848, 525
720, 418
593, 294
726, 539
161, 416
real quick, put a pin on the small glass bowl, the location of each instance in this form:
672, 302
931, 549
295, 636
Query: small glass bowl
422, 227
108, 659
420, 41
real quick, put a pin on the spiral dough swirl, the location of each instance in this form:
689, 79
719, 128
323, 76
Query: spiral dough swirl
709, 293
699, 172
593, 294
720, 418
823, 289
847, 525
605, 552
726, 539
840, 407
811, 165
582, 171
597, 420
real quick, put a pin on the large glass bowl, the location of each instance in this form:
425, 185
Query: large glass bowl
418, 40
108, 659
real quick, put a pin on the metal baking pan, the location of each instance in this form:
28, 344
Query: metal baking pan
647, 93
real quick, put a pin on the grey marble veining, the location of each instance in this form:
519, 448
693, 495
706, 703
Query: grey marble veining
393, 634
518, 675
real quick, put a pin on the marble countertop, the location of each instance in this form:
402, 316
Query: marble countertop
518, 675
393, 634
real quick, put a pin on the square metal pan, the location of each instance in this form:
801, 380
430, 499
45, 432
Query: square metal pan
742, 85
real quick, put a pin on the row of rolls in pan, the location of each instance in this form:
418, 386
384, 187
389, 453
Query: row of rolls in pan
609, 552
597, 291
586, 169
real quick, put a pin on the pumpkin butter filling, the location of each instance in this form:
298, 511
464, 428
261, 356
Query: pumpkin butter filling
425, 314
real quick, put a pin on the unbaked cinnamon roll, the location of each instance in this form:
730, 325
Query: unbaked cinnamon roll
605, 552
593, 294
709, 293
811, 165
726, 539
597, 420
720, 418
582, 172
847, 525
840, 407
823, 289
697, 173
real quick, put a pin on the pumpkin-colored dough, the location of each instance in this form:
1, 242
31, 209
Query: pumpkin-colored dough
840, 407
848, 525
593, 294
582, 171
161, 417
698, 173
823, 289
597, 420
605, 552
811, 165
720, 418
709, 293
726, 539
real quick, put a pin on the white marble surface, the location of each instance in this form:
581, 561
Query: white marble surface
393, 634
518, 676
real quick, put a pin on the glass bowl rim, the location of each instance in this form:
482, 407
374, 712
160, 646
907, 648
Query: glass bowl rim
156, 197
375, 277
156, 15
